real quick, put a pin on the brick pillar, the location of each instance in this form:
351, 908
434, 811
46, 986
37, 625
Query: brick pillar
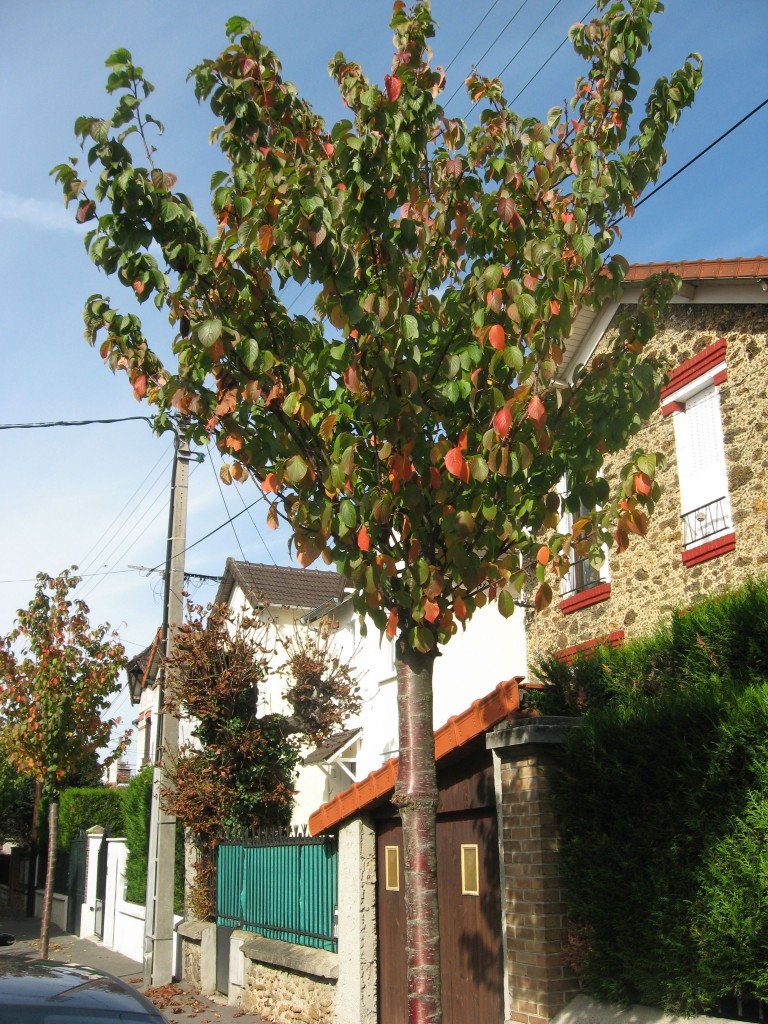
538, 982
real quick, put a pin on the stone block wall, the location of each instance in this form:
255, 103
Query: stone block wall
649, 579
286, 997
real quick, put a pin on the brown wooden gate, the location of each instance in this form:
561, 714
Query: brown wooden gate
470, 902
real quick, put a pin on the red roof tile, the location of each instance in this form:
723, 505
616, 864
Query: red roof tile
703, 270
480, 716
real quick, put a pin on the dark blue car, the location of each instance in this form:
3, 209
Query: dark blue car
48, 992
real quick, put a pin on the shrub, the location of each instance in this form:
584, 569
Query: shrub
81, 808
137, 802
662, 796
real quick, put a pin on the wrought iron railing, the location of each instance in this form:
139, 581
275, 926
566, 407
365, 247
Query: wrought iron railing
705, 521
281, 883
581, 576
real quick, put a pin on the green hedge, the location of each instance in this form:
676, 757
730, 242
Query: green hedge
662, 795
137, 801
82, 808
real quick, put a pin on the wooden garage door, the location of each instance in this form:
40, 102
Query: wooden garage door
470, 920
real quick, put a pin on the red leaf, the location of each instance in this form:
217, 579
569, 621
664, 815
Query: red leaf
457, 465
352, 380
497, 337
435, 478
642, 484
392, 623
431, 610
554, 307
86, 210
537, 414
543, 597
140, 387
363, 540
328, 148
502, 421
394, 87
506, 210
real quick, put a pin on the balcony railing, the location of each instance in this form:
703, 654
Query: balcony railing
705, 521
581, 576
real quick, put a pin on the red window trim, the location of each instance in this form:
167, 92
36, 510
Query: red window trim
670, 407
568, 654
585, 598
695, 367
711, 549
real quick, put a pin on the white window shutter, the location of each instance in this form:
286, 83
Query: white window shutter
701, 464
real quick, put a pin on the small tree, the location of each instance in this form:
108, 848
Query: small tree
57, 673
239, 773
414, 429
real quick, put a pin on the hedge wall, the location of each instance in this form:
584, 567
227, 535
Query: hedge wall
662, 796
81, 809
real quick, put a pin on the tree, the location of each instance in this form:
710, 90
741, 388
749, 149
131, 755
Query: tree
414, 429
57, 673
240, 771
17, 802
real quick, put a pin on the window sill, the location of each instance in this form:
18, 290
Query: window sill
585, 598
709, 549
569, 654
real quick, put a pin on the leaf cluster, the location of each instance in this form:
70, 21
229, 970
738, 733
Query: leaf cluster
413, 428
57, 675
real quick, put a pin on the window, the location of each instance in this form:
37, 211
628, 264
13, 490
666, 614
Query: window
392, 868
470, 869
585, 584
693, 398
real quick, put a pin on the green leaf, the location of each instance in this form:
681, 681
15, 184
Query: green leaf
237, 26
583, 245
409, 327
119, 57
208, 332
526, 305
506, 604
249, 352
348, 513
296, 470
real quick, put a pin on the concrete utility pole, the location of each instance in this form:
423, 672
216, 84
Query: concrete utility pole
158, 928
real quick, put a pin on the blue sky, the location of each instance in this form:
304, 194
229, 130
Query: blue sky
96, 496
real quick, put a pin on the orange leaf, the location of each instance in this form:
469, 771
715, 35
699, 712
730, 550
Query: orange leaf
543, 598
497, 337
642, 484
394, 87
392, 623
502, 421
542, 555
457, 465
272, 521
363, 540
554, 307
140, 387
462, 442
431, 610
269, 484
459, 609
536, 412
435, 478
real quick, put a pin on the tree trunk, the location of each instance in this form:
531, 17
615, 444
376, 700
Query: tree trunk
34, 852
416, 796
53, 835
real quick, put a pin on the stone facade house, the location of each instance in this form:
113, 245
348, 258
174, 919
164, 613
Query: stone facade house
710, 527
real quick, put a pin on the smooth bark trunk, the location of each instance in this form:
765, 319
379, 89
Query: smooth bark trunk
53, 834
34, 853
416, 797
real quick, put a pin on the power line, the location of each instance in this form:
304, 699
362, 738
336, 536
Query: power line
470, 37
699, 155
541, 67
74, 423
458, 88
253, 523
215, 530
226, 507
520, 49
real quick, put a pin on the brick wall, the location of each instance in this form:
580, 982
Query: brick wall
650, 579
539, 981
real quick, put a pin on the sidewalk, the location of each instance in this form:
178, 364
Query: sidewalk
177, 1002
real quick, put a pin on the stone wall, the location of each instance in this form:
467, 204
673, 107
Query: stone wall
649, 579
287, 997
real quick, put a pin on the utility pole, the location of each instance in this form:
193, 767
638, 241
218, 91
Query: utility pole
158, 927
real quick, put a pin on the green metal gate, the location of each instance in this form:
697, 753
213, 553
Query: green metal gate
75, 883
282, 884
